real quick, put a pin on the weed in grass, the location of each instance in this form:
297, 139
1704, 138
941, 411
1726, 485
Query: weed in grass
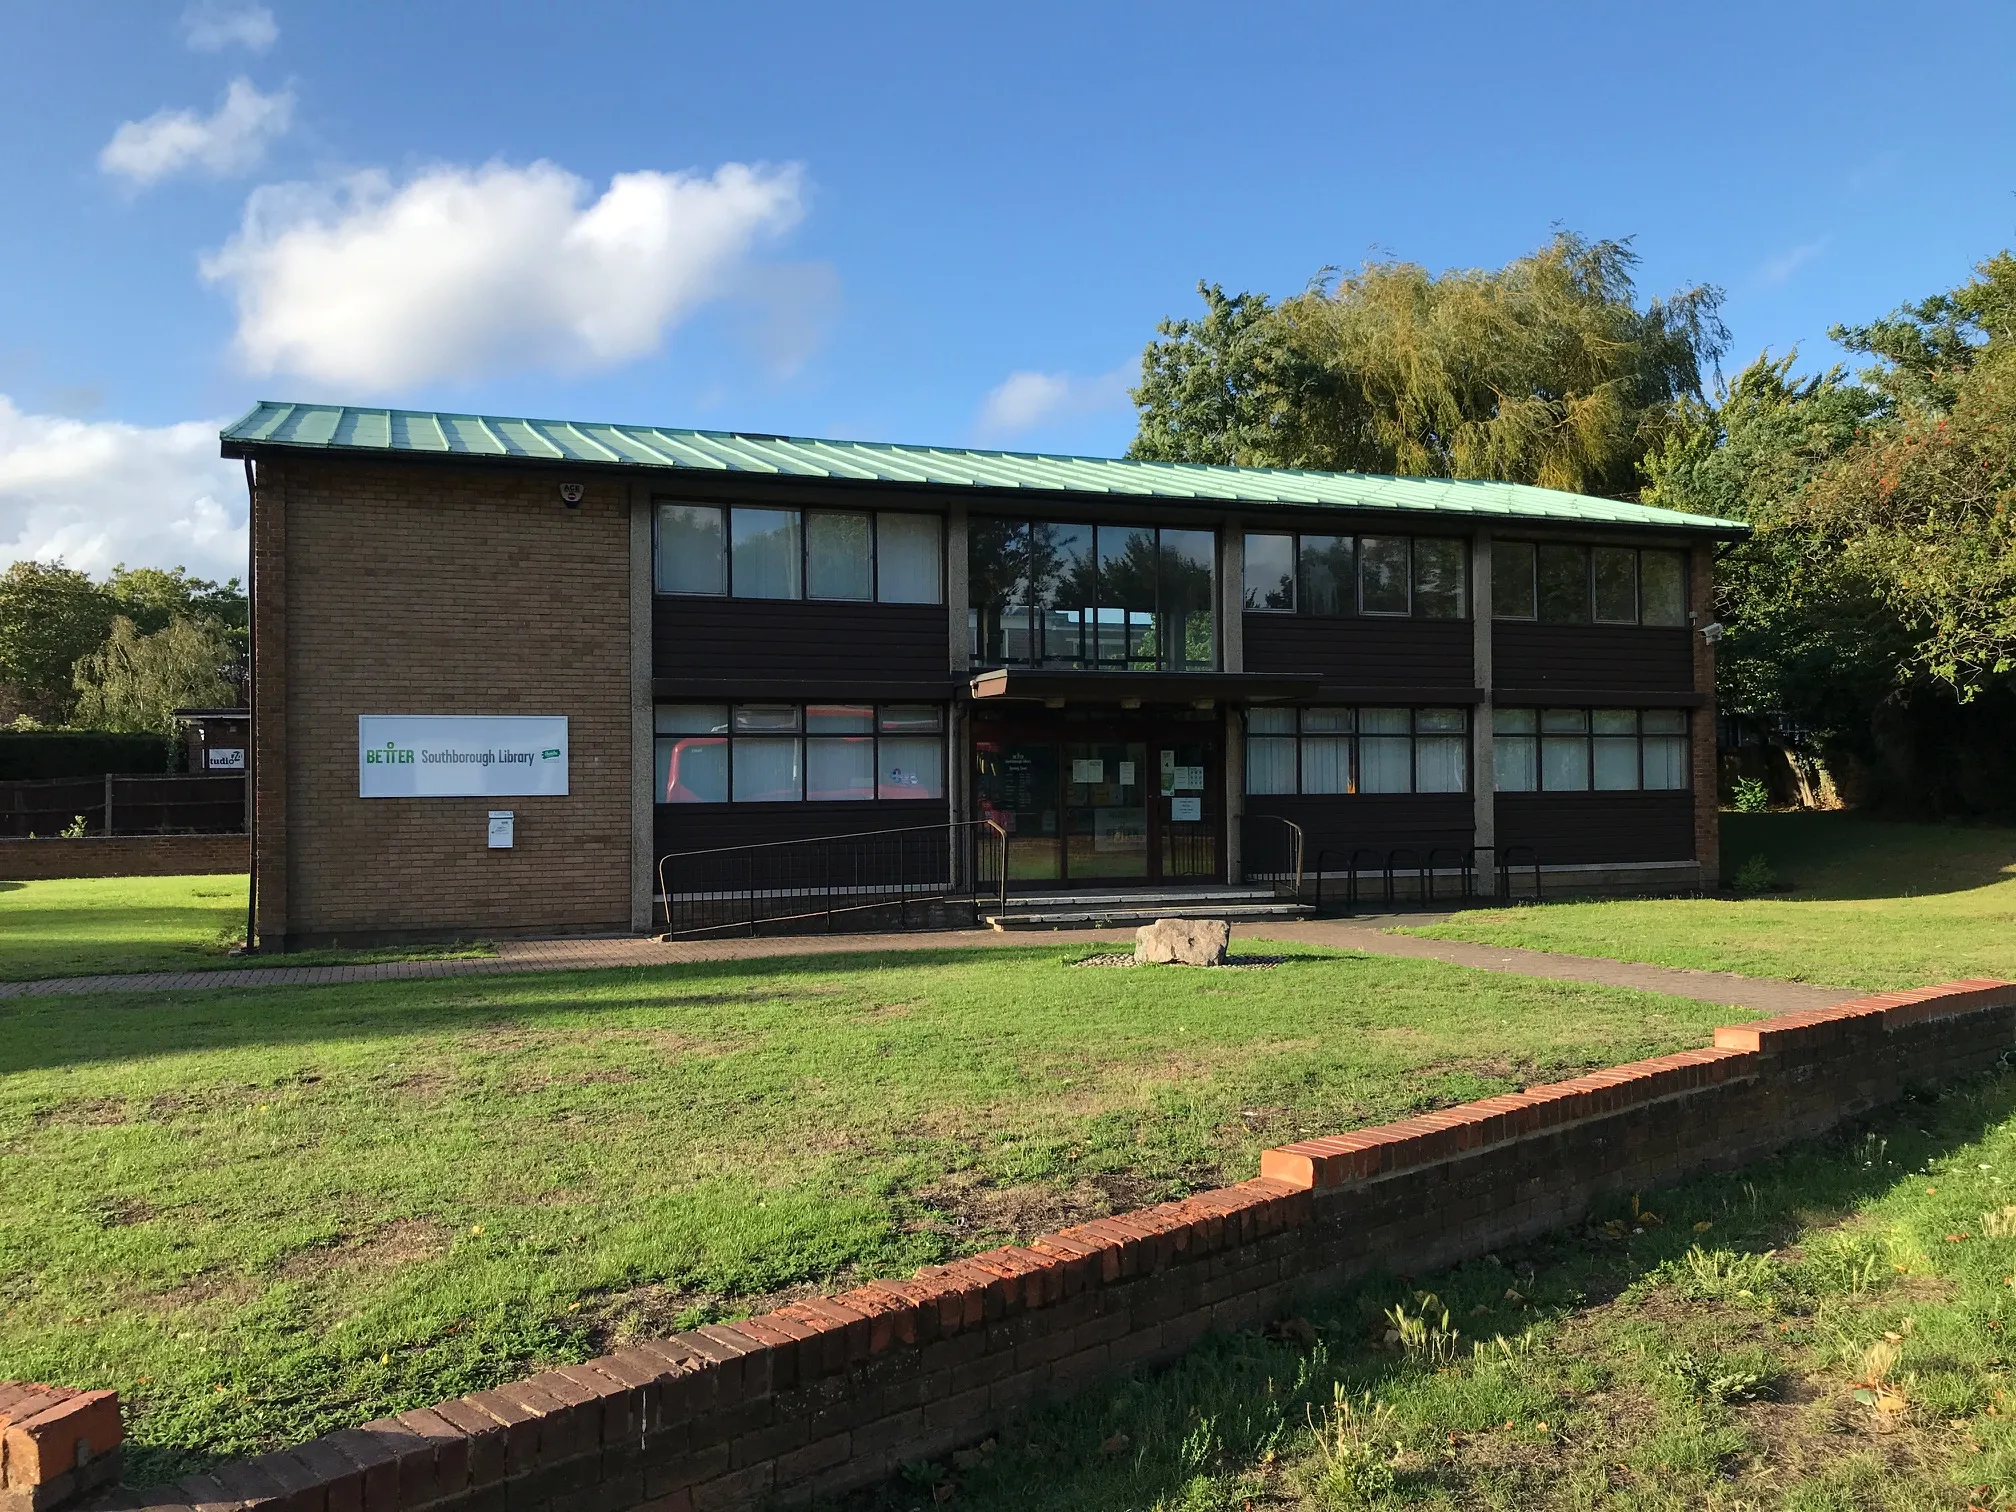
1354, 1448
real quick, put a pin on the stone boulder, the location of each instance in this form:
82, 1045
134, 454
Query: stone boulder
1182, 942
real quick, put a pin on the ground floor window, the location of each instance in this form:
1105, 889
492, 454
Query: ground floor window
1583, 750
791, 753
1357, 750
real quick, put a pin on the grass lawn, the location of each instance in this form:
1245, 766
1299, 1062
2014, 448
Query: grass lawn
262, 1215
1826, 1333
1868, 903
87, 925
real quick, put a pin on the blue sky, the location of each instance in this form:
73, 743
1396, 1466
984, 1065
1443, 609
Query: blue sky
925, 223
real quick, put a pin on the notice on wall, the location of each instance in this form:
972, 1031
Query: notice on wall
502, 824
1187, 810
461, 755
1088, 771
1126, 774
225, 758
1191, 778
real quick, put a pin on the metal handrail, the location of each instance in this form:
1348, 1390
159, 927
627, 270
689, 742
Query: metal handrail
825, 877
1296, 843
1506, 862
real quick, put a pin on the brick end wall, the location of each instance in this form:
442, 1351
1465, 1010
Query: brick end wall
838, 1392
55, 1444
122, 856
432, 589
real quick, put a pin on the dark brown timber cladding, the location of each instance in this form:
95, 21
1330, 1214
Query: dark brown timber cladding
786, 648
1571, 659
1416, 659
831, 1393
1582, 829
1375, 821
706, 826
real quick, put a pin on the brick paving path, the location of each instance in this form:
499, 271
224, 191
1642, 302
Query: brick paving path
1759, 994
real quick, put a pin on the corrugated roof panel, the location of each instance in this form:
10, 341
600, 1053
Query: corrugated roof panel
335, 427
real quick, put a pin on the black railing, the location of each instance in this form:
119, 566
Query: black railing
923, 876
1508, 858
1427, 866
1270, 850
122, 803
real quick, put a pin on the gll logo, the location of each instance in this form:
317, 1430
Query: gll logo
393, 754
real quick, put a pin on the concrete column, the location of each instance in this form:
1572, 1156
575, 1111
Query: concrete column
644, 777
1701, 722
956, 588
1483, 787
1232, 597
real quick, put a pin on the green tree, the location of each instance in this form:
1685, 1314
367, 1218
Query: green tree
152, 596
50, 616
1544, 371
135, 681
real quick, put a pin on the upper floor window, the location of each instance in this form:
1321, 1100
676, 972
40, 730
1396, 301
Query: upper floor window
1577, 585
1092, 597
833, 554
1423, 576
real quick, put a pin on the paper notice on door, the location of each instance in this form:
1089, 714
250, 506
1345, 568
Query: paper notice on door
1190, 777
1187, 810
1126, 774
1088, 771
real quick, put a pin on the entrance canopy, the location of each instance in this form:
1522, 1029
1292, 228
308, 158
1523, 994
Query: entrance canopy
1144, 688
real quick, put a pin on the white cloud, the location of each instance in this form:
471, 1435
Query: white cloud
229, 141
211, 26
471, 272
1776, 272
97, 493
1025, 400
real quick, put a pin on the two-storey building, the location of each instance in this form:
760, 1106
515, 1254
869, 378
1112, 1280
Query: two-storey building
504, 667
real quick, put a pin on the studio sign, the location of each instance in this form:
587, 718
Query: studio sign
461, 755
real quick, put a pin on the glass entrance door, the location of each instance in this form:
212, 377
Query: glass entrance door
1093, 811
1106, 811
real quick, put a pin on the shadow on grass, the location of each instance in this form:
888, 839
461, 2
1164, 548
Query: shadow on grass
1183, 1437
1842, 855
42, 1033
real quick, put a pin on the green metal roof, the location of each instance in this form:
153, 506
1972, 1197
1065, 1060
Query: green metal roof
346, 428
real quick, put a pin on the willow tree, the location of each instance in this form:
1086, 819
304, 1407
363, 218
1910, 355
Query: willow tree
1545, 371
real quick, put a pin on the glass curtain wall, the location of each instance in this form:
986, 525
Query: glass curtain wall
1073, 597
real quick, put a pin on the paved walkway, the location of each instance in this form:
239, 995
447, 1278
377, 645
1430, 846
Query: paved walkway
1758, 994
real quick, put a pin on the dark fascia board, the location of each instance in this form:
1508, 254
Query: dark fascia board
799, 690
1014, 684
704, 486
1603, 698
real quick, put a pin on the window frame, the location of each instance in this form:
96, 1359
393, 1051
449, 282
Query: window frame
1535, 614
803, 516
1537, 735
880, 731
1097, 624
1299, 595
1352, 737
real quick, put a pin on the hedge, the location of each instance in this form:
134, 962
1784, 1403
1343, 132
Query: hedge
29, 754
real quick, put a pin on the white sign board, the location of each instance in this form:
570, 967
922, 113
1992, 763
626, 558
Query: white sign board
225, 758
1187, 810
1088, 771
461, 755
500, 828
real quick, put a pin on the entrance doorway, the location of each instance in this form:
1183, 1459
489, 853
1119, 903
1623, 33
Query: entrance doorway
1141, 804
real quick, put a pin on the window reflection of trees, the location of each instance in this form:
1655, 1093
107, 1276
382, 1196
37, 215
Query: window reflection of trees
1068, 596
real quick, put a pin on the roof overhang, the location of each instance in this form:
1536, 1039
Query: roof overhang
1132, 689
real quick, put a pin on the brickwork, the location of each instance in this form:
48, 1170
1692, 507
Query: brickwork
422, 590
55, 1444
837, 1392
122, 856
1707, 799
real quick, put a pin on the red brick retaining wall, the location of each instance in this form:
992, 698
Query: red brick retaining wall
123, 856
838, 1392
